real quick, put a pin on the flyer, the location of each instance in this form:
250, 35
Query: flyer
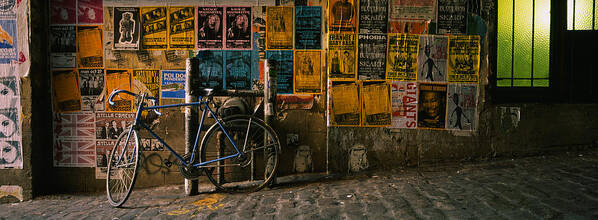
154, 28
66, 92
281, 61
238, 28
308, 27
90, 12
173, 84
116, 79
376, 102
433, 53
373, 16
279, 28
464, 58
431, 106
401, 61
211, 68
181, 28
91, 82
126, 28
210, 24
345, 104
63, 46
371, 57
308, 72
342, 15
90, 47
404, 104
238, 70
341, 56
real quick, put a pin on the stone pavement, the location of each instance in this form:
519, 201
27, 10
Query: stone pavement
563, 186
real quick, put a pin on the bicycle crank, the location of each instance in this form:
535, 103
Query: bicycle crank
189, 172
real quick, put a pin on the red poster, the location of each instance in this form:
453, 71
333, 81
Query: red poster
63, 12
90, 12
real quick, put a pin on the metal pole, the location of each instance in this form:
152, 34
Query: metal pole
191, 115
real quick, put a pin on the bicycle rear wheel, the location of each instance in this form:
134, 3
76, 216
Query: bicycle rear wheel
252, 170
122, 168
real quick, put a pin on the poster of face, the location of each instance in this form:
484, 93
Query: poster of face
63, 11
154, 29
281, 61
9, 128
116, 79
63, 46
308, 27
279, 28
371, 57
150, 144
431, 62
412, 9
342, 15
210, 24
11, 151
11, 155
404, 104
401, 61
461, 107
431, 106
409, 26
173, 84
109, 125
8, 41
238, 70
90, 12
65, 88
147, 82
308, 72
375, 96
341, 56
211, 68
452, 17
91, 82
90, 47
345, 104
373, 16
238, 27
126, 28
464, 58
181, 28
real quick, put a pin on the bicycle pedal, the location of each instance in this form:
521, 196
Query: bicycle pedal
167, 163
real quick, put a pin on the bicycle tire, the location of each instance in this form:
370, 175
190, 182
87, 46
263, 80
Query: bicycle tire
241, 174
119, 193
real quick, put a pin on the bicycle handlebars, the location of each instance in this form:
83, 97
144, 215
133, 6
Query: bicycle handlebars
116, 92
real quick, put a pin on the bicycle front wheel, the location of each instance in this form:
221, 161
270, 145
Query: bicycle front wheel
122, 168
250, 170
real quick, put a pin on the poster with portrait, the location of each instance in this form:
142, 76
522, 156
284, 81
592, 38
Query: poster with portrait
210, 27
11, 156
342, 15
91, 82
8, 9
154, 28
116, 79
238, 28
404, 104
63, 11
281, 61
211, 68
181, 28
308, 72
8, 41
341, 56
90, 12
65, 90
308, 27
90, 47
279, 28
376, 102
150, 144
431, 62
464, 58
452, 17
10, 124
238, 70
173, 84
412, 9
147, 82
373, 16
63, 48
409, 26
371, 57
461, 107
109, 125
401, 61
345, 104
431, 106
126, 28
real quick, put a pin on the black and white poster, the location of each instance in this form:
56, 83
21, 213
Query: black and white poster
308, 27
432, 58
126, 28
461, 107
373, 16
452, 17
63, 46
371, 62
92, 84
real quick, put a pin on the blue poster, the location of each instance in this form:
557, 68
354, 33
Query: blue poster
173, 84
281, 61
8, 41
238, 70
211, 68
308, 27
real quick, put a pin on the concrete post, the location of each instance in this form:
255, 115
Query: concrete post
191, 115
270, 81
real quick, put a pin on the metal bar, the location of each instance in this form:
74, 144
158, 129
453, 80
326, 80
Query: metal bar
192, 81
173, 105
513, 46
533, 40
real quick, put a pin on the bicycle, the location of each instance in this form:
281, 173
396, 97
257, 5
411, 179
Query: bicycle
233, 152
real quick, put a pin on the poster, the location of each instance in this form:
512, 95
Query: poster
8, 9
409, 26
308, 72
341, 56
90, 47
279, 28
210, 27
8, 41
74, 152
65, 89
464, 58
281, 61
412, 9
238, 27
116, 79
109, 125
63, 11
401, 61
376, 102
308, 27
371, 57
154, 28
404, 104
431, 62
90, 12
461, 107
147, 82
345, 104
373, 16
173, 84
150, 144
181, 28
431, 106
452, 17
91, 82
342, 15
304, 102
63, 46
238, 70
211, 68
11, 151
126, 28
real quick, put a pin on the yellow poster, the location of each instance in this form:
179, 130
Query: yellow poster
464, 58
181, 28
90, 47
376, 104
342, 15
154, 28
345, 106
146, 82
116, 79
401, 60
67, 95
341, 56
279, 28
308, 72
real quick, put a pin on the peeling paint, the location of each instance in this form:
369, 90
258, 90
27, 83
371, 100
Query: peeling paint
15, 191
358, 160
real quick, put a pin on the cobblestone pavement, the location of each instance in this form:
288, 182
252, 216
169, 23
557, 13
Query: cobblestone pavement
563, 186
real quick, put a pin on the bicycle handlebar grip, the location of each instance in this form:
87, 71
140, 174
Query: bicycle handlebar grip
115, 92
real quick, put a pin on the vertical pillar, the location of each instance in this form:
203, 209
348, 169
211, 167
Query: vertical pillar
191, 115
270, 81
